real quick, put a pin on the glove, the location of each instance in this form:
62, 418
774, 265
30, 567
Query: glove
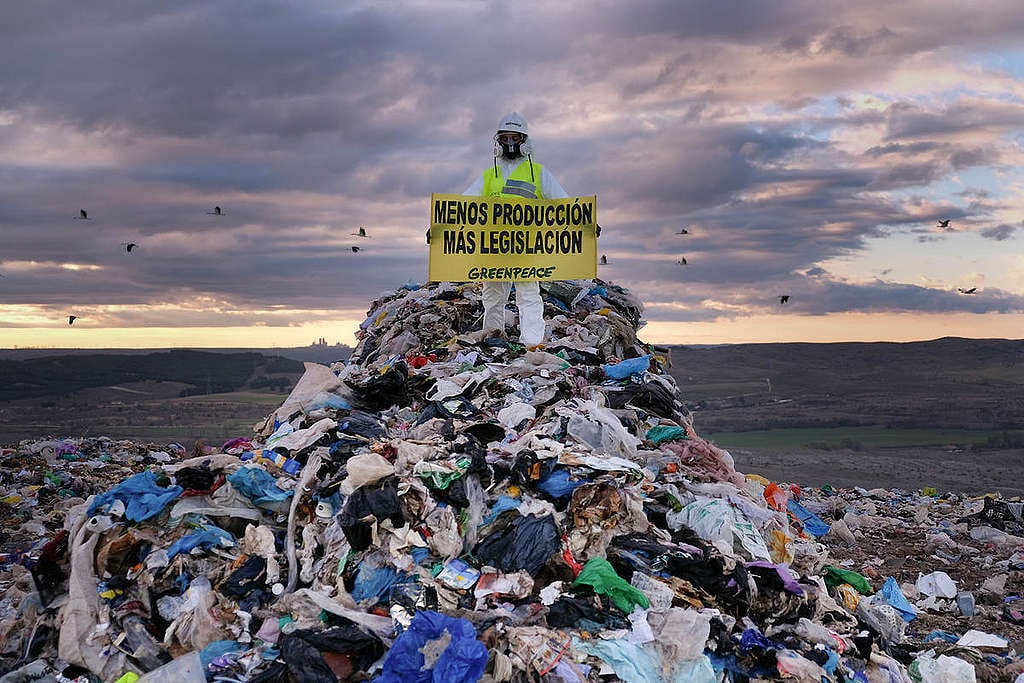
428, 235
598, 232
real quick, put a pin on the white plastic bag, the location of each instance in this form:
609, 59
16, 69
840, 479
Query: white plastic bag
716, 521
365, 468
944, 669
938, 584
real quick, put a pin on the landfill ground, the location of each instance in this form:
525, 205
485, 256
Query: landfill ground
450, 506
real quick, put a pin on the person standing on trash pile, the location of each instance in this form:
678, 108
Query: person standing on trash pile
514, 173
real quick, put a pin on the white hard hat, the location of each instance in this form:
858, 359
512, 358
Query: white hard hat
513, 123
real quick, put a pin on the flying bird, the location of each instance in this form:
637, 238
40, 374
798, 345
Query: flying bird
361, 233
972, 290
355, 250
216, 211
943, 223
783, 299
604, 260
683, 231
682, 261
128, 246
82, 215
72, 319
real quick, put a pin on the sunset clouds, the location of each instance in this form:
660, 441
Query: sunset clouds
810, 147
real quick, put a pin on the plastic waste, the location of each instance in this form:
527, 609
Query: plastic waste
630, 662
811, 522
660, 433
938, 584
527, 543
891, 593
965, 603
141, 495
288, 465
942, 669
714, 520
455, 655
492, 519
599, 574
836, 575
684, 633
884, 618
365, 468
630, 366
793, 665
975, 638
139, 644
775, 496
259, 485
185, 669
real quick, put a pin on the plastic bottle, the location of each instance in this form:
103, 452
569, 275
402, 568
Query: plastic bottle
288, 465
965, 603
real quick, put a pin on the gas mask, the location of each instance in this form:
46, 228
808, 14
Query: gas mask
510, 145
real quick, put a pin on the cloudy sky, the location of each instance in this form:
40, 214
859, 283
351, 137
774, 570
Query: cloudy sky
809, 148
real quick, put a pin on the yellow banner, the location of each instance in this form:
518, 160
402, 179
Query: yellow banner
508, 238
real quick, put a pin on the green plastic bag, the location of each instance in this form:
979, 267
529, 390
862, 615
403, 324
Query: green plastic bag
599, 574
835, 576
441, 480
660, 433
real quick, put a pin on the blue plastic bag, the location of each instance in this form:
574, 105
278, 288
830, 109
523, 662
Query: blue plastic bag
141, 496
258, 485
206, 537
558, 484
462, 661
890, 590
375, 582
218, 648
812, 523
628, 367
503, 503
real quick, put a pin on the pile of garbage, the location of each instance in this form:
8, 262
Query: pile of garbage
448, 505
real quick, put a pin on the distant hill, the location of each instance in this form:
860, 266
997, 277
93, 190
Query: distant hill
316, 353
949, 383
203, 372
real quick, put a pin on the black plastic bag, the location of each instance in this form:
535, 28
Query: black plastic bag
252, 574
370, 503
650, 396
570, 611
364, 647
304, 660
527, 543
383, 391
362, 424
198, 478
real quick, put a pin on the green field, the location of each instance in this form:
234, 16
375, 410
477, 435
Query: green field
850, 437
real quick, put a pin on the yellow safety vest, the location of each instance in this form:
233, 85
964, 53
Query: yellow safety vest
523, 182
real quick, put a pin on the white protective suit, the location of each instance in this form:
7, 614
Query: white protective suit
528, 299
